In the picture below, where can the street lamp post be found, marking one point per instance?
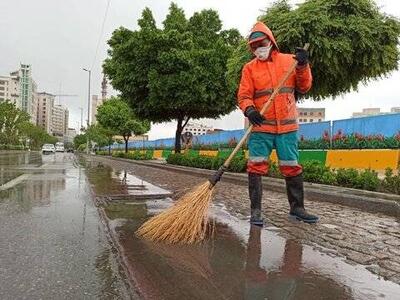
(80, 128)
(88, 111)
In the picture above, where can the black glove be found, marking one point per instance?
(301, 56)
(254, 116)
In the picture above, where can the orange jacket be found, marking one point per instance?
(257, 83)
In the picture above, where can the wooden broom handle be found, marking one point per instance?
(263, 109)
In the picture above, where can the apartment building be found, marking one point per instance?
(45, 111)
(20, 88)
(197, 129)
(59, 120)
(310, 115)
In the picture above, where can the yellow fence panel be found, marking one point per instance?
(157, 154)
(208, 152)
(363, 159)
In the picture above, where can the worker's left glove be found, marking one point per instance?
(254, 116)
(301, 56)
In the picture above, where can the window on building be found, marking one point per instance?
(311, 113)
(311, 120)
(305, 113)
(320, 114)
(319, 120)
(301, 113)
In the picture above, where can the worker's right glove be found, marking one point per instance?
(254, 116)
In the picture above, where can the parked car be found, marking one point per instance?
(48, 148)
(60, 147)
(70, 150)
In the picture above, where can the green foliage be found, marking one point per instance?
(12, 120)
(315, 171)
(391, 182)
(173, 73)
(100, 135)
(36, 135)
(350, 42)
(135, 155)
(238, 163)
(117, 117)
(79, 140)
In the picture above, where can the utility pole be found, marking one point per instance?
(88, 111)
(80, 128)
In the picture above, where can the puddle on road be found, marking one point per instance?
(242, 262)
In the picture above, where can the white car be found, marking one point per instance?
(60, 148)
(48, 148)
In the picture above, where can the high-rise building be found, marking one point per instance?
(310, 115)
(96, 101)
(20, 89)
(45, 111)
(58, 121)
(69, 137)
(9, 89)
(66, 120)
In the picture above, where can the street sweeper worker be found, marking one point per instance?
(277, 127)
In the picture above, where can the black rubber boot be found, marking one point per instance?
(255, 194)
(295, 193)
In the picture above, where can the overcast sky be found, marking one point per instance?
(58, 38)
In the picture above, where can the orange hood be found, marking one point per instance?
(261, 27)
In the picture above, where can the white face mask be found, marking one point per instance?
(262, 53)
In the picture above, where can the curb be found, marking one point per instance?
(373, 202)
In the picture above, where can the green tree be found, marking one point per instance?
(173, 73)
(37, 136)
(79, 140)
(11, 121)
(350, 42)
(116, 116)
(101, 136)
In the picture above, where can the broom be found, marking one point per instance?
(186, 222)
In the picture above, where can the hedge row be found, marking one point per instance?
(11, 147)
(313, 171)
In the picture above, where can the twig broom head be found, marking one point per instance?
(186, 222)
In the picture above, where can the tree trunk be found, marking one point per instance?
(178, 133)
(126, 139)
(109, 149)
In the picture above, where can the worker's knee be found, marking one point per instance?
(257, 167)
(290, 171)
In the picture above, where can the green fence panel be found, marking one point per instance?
(166, 153)
(149, 153)
(224, 153)
(307, 155)
(192, 153)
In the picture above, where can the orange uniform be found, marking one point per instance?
(258, 81)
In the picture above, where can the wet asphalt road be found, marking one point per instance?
(241, 262)
(52, 242)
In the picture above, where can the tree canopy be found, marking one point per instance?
(115, 115)
(11, 121)
(351, 42)
(174, 73)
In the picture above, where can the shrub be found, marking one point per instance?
(391, 183)
(347, 177)
(367, 180)
(316, 171)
